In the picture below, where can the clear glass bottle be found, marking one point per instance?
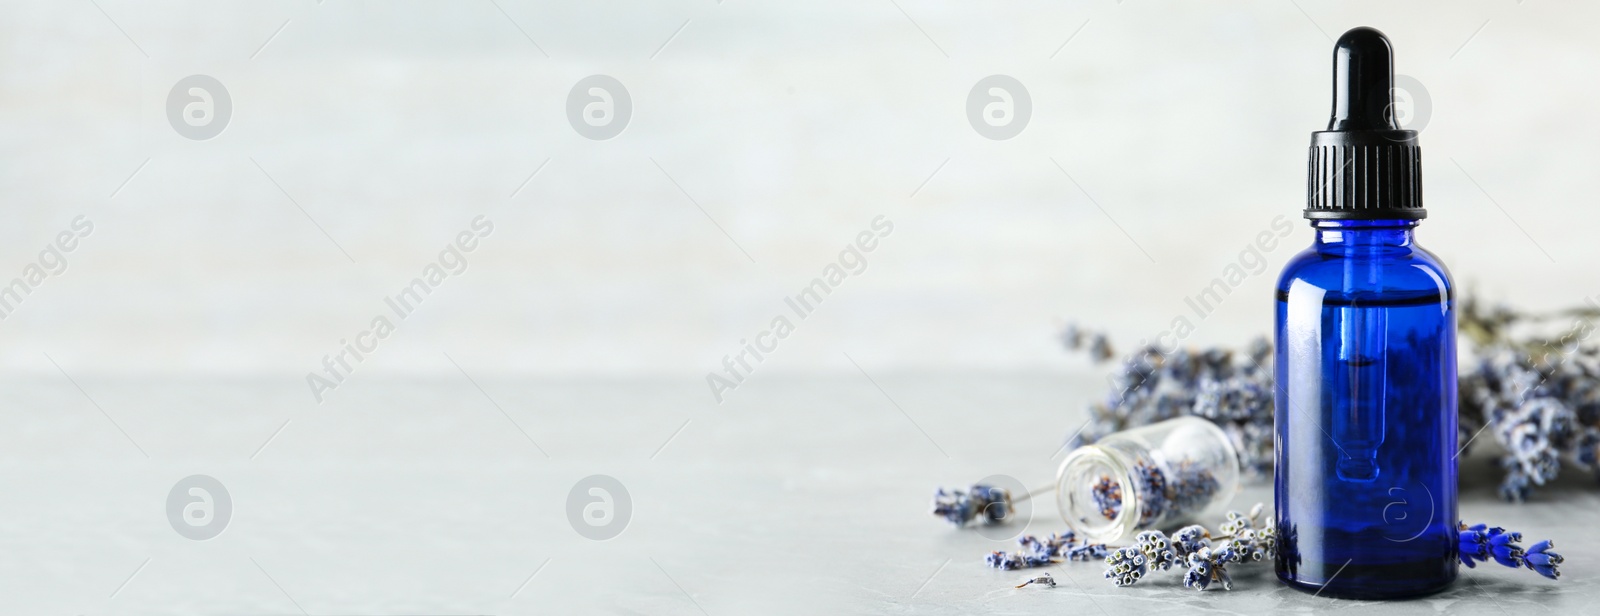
(1159, 476)
(1365, 412)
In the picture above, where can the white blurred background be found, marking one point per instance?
(792, 125)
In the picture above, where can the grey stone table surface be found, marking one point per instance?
(447, 494)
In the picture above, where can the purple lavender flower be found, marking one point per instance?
(1190, 539)
(1540, 559)
(1472, 547)
(1087, 551)
(1204, 568)
(955, 506)
(1097, 343)
(1233, 551)
(1588, 448)
(994, 504)
(1157, 549)
(1481, 542)
(990, 503)
(1100, 347)
(1003, 561)
(1190, 488)
(1107, 495)
(1503, 547)
(1538, 398)
(1071, 337)
(1233, 390)
(1197, 577)
(1249, 546)
(1237, 521)
(1128, 565)
(1153, 489)
(1267, 542)
(1203, 557)
(1039, 553)
(1031, 543)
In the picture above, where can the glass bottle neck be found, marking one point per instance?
(1352, 234)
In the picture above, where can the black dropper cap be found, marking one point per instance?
(1364, 167)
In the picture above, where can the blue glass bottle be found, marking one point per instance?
(1366, 361)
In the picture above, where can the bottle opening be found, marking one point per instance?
(1096, 495)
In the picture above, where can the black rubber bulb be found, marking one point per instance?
(1363, 82)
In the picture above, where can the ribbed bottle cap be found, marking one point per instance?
(1364, 166)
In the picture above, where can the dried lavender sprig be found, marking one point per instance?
(1232, 389)
(1162, 498)
(1156, 549)
(989, 504)
(1542, 407)
(1127, 566)
(1017, 560)
(1190, 539)
(1087, 551)
(1481, 542)
(1537, 397)
(1542, 560)
(1051, 546)
(1098, 344)
(1204, 568)
(1192, 547)
(1051, 550)
(1208, 556)
(1107, 495)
